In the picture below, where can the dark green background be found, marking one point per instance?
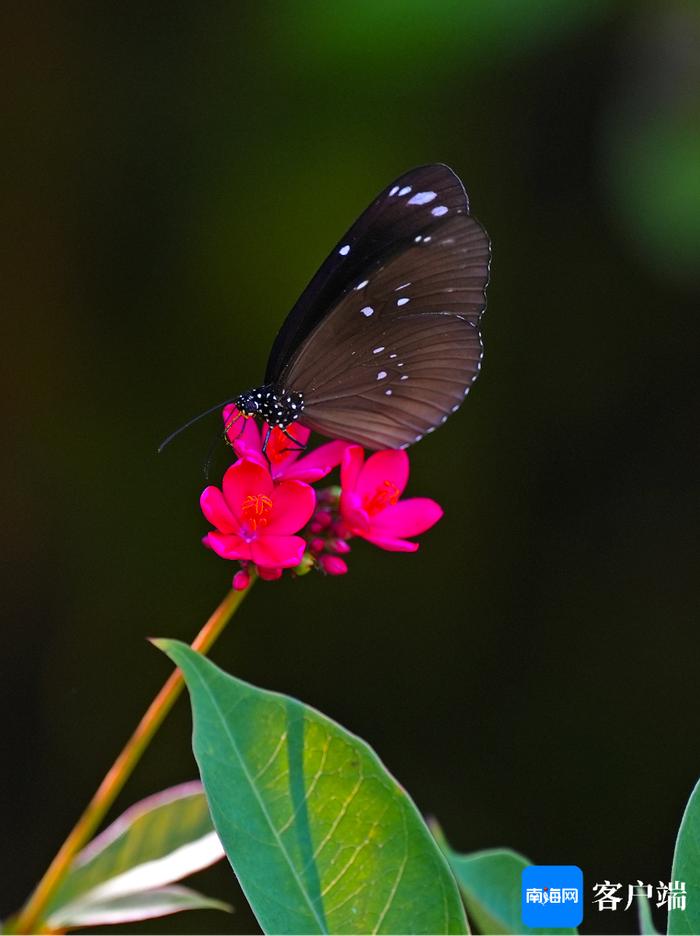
(175, 176)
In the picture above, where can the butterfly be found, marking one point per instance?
(384, 342)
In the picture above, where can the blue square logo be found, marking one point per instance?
(552, 896)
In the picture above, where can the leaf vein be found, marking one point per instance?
(263, 808)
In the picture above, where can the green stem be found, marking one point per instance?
(30, 917)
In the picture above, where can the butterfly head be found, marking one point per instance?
(249, 403)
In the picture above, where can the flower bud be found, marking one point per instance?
(333, 565)
(241, 580)
(317, 545)
(324, 518)
(306, 565)
(340, 531)
(340, 546)
(329, 495)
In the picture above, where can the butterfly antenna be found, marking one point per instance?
(210, 453)
(191, 422)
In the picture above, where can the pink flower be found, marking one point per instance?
(285, 462)
(370, 505)
(255, 518)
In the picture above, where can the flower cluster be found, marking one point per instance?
(267, 515)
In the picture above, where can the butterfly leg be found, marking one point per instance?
(264, 445)
(230, 425)
(298, 447)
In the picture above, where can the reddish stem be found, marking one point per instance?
(30, 917)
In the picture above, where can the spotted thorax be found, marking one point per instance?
(277, 408)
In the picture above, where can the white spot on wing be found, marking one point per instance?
(405, 190)
(402, 286)
(345, 250)
(367, 311)
(394, 190)
(439, 211)
(403, 301)
(404, 377)
(422, 198)
(362, 284)
(388, 392)
(455, 408)
(378, 350)
(381, 375)
(393, 355)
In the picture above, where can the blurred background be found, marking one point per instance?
(175, 175)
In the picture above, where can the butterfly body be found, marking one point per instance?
(272, 405)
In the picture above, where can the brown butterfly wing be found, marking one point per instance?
(407, 207)
(401, 349)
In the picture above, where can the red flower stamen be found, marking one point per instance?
(255, 509)
(386, 495)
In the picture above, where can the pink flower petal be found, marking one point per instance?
(350, 467)
(354, 516)
(250, 453)
(283, 451)
(407, 518)
(391, 543)
(243, 479)
(277, 551)
(230, 411)
(293, 503)
(316, 464)
(242, 430)
(228, 546)
(216, 510)
(390, 465)
(269, 575)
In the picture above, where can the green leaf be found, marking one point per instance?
(159, 840)
(138, 906)
(322, 838)
(490, 882)
(686, 868)
(646, 922)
